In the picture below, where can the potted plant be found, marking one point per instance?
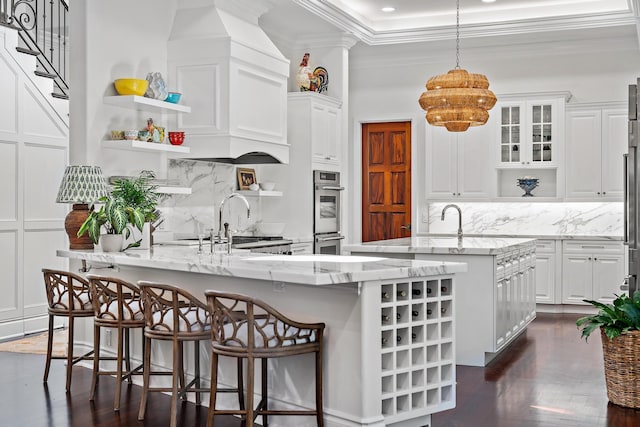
(127, 210)
(619, 325)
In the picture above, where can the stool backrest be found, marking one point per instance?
(114, 299)
(169, 310)
(240, 323)
(66, 291)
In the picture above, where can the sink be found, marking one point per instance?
(317, 258)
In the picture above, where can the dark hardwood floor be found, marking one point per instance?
(548, 378)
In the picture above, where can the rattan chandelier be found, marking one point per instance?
(458, 99)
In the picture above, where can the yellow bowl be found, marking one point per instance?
(131, 86)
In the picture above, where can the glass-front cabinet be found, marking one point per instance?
(529, 133)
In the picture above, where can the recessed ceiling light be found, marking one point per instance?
(488, 1)
(388, 9)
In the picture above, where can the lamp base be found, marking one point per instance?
(72, 224)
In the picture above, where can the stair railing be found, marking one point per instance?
(43, 28)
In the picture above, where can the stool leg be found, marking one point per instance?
(70, 352)
(47, 364)
(240, 384)
(250, 386)
(145, 377)
(182, 384)
(174, 382)
(96, 360)
(265, 398)
(196, 352)
(214, 389)
(127, 354)
(116, 401)
(319, 404)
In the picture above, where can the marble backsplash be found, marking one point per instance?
(197, 212)
(531, 219)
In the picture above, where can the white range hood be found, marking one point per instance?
(233, 77)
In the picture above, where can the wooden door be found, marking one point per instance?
(386, 181)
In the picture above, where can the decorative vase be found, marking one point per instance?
(527, 184)
(111, 242)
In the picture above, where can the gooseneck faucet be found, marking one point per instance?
(227, 197)
(459, 217)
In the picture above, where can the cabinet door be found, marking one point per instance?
(441, 157)
(576, 278)
(608, 274)
(545, 278)
(583, 154)
(510, 133)
(615, 136)
(542, 133)
(319, 133)
(475, 168)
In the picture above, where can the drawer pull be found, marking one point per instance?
(592, 247)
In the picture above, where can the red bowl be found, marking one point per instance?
(176, 138)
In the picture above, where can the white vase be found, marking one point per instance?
(111, 242)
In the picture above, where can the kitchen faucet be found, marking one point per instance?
(227, 197)
(459, 217)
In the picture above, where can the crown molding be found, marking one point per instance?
(368, 35)
(280, 38)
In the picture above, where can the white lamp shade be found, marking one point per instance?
(82, 184)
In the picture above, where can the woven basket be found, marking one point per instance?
(622, 368)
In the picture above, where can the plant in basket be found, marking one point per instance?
(619, 325)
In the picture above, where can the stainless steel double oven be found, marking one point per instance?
(326, 208)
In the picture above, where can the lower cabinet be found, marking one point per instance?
(301, 248)
(546, 271)
(591, 270)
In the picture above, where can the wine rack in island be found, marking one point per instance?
(417, 345)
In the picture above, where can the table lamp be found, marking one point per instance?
(80, 185)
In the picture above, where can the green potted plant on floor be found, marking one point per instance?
(130, 206)
(619, 325)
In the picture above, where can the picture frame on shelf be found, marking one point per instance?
(246, 177)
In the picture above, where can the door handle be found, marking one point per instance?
(406, 227)
(328, 239)
(625, 195)
(331, 187)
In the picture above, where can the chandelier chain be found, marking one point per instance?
(457, 34)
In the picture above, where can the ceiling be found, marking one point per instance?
(432, 20)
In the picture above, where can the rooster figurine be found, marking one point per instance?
(320, 79)
(314, 81)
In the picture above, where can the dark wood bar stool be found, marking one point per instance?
(247, 328)
(173, 314)
(67, 296)
(116, 304)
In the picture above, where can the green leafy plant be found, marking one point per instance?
(115, 217)
(623, 315)
(138, 193)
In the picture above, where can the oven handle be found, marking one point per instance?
(331, 187)
(328, 239)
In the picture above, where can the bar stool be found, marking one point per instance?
(173, 314)
(247, 328)
(67, 296)
(117, 305)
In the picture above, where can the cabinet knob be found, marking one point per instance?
(589, 258)
(458, 194)
(527, 162)
(604, 192)
(453, 194)
(598, 193)
(595, 259)
(522, 163)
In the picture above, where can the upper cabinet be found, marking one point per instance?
(460, 165)
(315, 121)
(531, 132)
(596, 141)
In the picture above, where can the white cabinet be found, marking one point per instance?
(460, 164)
(596, 140)
(315, 120)
(546, 270)
(591, 270)
(301, 248)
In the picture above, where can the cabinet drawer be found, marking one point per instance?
(583, 246)
(546, 246)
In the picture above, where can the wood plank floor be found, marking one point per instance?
(550, 378)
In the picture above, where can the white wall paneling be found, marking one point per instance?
(9, 179)
(11, 302)
(9, 99)
(43, 169)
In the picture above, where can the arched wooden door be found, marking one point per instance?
(386, 181)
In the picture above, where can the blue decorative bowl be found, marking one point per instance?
(173, 97)
(527, 184)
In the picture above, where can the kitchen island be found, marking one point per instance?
(389, 351)
(495, 298)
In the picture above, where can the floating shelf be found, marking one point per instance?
(173, 190)
(134, 145)
(260, 193)
(142, 103)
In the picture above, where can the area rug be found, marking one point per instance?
(37, 343)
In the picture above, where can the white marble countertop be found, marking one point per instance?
(303, 269)
(443, 245)
(528, 235)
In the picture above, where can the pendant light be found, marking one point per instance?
(458, 99)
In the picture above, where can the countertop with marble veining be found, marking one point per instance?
(302, 269)
(442, 245)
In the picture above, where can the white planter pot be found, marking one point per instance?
(111, 242)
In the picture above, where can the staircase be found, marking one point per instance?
(40, 43)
